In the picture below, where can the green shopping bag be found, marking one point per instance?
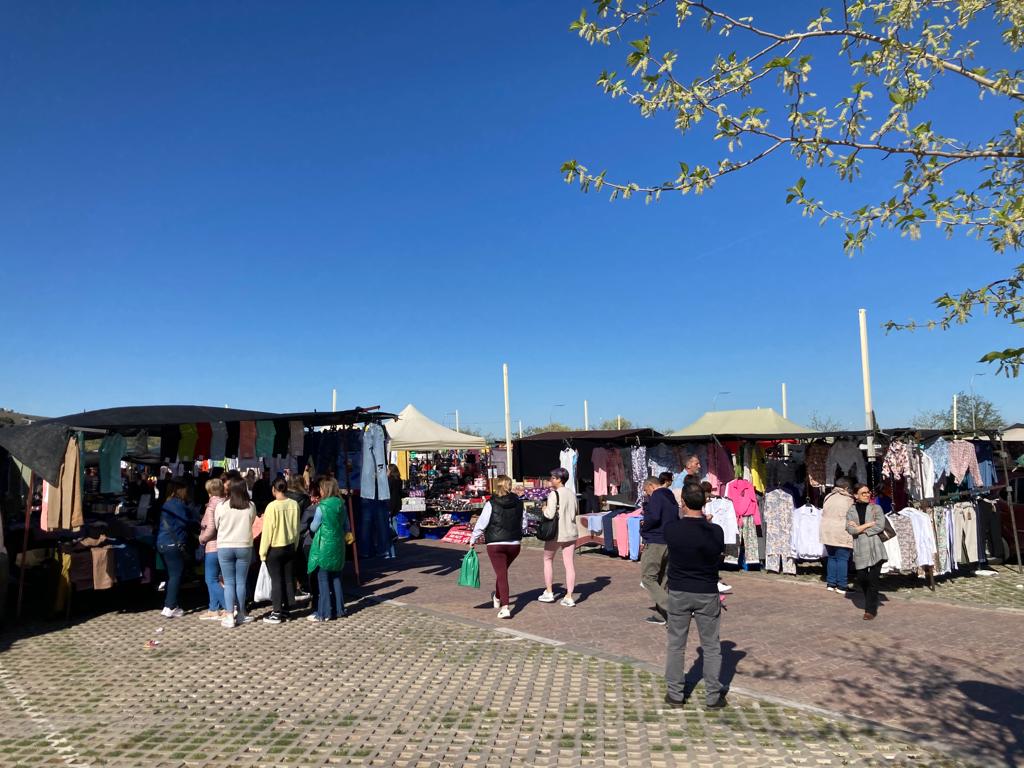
(469, 574)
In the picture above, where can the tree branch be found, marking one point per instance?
(855, 34)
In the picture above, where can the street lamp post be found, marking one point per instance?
(551, 417)
(714, 400)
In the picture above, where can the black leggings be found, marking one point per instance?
(868, 579)
(279, 564)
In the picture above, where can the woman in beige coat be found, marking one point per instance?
(834, 536)
(562, 502)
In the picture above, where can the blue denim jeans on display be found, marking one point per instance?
(329, 582)
(837, 566)
(234, 564)
(175, 562)
(211, 569)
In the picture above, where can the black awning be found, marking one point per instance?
(40, 447)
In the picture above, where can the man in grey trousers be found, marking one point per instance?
(695, 549)
(659, 508)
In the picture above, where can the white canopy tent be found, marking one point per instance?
(749, 422)
(415, 432)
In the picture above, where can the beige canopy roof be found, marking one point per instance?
(415, 432)
(748, 422)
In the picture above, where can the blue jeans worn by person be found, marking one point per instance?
(706, 609)
(328, 583)
(234, 564)
(174, 559)
(211, 569)
(837, 566)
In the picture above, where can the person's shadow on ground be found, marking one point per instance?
(731, 658)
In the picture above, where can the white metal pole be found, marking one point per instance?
(865, 365)
(618, 422)
(334, 400)
(586, 416)
(785, 415)
(457, 420)
(955, 422)
(508, 424)
(520, 429)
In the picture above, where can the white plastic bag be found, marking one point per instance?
(262, 585)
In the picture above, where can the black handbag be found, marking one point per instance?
(548, 528)
(888, 532)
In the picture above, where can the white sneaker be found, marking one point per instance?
(228, 623)
(162, 586)
(723, 587)
(568, 602)
(168, 613)
(494, 600)
(547, 597)
(505, 612)
(830, 589)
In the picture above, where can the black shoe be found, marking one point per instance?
(675, 703)
(274, 618)
(655, 619)
(719, 703)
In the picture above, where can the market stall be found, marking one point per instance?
(443, 472)
(81, 493)
(768, 478)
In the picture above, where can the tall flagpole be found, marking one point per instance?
(508, 423)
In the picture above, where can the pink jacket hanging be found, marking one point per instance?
(744, 499)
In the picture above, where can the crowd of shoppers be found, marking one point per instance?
(299, 535)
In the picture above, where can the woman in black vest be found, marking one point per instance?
(501, 526)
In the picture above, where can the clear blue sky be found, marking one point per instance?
(251, 204)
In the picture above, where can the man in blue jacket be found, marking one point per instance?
(660, 508)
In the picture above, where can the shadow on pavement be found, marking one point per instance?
(731, 658)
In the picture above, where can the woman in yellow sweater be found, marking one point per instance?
(277, 548)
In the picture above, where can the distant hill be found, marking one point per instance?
(9, 418)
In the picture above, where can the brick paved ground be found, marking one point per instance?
(1004, 590)
(389, 686)
(941, 669)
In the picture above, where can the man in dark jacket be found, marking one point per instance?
(695, 549)
(659, 508)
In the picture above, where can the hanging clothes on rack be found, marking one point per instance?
(896, 463)
(805, 541)
(965, 531)
(722, 513)
(938, 451)
(599, 458)
(719, 467)
(111, 450)
(986, 465)
(567, 460)
(963, 460)
(758, 469)
(815, 460)
(943, 536)
(904, 528)
(64, 500)
(744, 499)
(921, 480)
(638, 459)
(778, 530)
(924, 536)
(845, 456)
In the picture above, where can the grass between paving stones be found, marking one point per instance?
(391, 683)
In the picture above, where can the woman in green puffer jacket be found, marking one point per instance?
(327, 554)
